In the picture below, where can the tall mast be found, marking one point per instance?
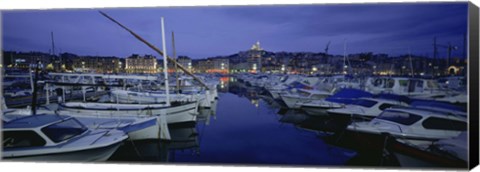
(53, 43)
(175, 58)
(434, 55)
(411, 63)
(344, 56)
(55, 60)
(34, 93)
(464, 46)
(156, 50)
(165, 65)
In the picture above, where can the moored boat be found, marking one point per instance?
(57, 138)
(413, 125)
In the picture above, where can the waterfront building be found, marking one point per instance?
(213, 65)
(23, 60)
(239, 67)
(96, 64)
(219, 66)
(203, 65)
(322, 69)
(185, 62)
(141, 64)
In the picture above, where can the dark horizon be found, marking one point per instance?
(203, 32)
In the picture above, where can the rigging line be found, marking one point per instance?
(155, 49)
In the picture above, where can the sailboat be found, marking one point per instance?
(173, 112)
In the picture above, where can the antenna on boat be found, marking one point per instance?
(155, 49)
(165, 65)
(34, 94)
(344, 55)
(411, 64)
(391, 70)
(345, 58)
(434, 56)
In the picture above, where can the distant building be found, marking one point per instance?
(22, 60)
(97, 64)
(255, 58)
(239, 67)
(212, 65)
(185, 62)
(322, 69)
(203, 65)
(219, 66)
(141, 64)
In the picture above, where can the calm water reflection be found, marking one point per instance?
(245, 128)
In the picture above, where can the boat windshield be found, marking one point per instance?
(64, 130)
(399, 117)
(364, 103)
(22, 138)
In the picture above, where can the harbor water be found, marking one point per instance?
(242, 128)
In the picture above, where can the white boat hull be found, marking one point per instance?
(175, 114)
(315, 111)
(97, 154)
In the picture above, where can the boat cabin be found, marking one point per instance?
(401, 85)
(40, 130)
(416, 122)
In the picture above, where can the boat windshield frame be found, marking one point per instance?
(399, 117)
(64, 130)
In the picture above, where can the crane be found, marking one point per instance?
(449, 48)
(325, 59)
(326, 48)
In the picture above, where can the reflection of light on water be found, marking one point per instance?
(222, 84)
(254, 102)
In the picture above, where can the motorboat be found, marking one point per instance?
(338, 100)
(412, 125)
(411, 87)
(440, 106)
(48, 137)
(366, 108)
(287, 82)
(294, 99)
(451, 152)
(137, 128)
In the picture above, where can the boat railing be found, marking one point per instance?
(104, 134)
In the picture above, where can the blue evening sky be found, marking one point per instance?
(202, 32)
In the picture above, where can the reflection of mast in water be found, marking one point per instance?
(184, 139)
(206, 113)
(291, 116)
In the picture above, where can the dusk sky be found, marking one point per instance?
(202, 32)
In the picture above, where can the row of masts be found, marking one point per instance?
(162, 53)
